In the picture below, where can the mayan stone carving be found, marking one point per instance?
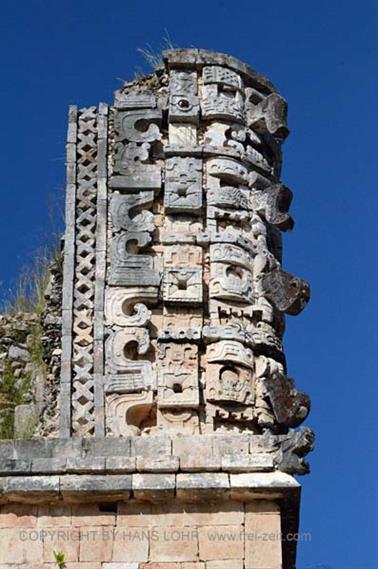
(175, 295)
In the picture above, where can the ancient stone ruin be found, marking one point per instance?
(172, 410)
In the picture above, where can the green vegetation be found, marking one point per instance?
(60, 559)
(154, 56)
(13, 391)
(28, 297)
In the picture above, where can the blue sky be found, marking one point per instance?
(323, 57)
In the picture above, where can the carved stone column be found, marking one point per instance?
(175, 294)
(174, 386)
(179, 298)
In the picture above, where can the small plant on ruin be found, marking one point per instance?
(154, 56)
(60, 559)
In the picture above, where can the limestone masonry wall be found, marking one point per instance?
(139, 535)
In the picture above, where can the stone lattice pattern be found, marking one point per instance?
(193, 292)
(84, 284)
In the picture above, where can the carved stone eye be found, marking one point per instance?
(183, 104)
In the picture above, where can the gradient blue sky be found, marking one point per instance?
(322, 56)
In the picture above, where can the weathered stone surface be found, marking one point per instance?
(263, 519)
(57, 541)
(231, 564)
(197, 486)
(82, 487)
(161, 464)
(18, 515)
(15, 551)
(152, 447)
(18, 353)
(251, 463)
(174, 544)
(119, 464)
(131, 546)
(48, 465)
(249, 486)
(12, 466)
(223, 543)
(121, 565)
(83, 465)
(293, 449)
(153, 487)
(53, 515)
(32, 489)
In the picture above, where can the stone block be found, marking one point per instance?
(182, 134)
(9, 466)
(263, 545)
(32, 489)
(121, 566)
(100, 548)
(152, 446)
(84, 487)
(107, 447)
(61, 539)
(37, 565)
(119, 464)
(247, 463)
(196, 514)
(199, 463)
(48, 465)
(162, 464)
(262, 443)
(230, 564)
(86, 465)
(153, 486)
(25, 420)
(131, 544)
(183, 285)
(47, 448)
(225, 542)
(218, 513)
(80, 565)
(7, 450)
(17, 547)
(197, 486)
(231, 444)
(160, 566)
(250, 486)
(18, 515)
(202, 460)
(172, 543)
(135, 514)
(52, 515)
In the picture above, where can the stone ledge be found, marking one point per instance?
(190, 487)
(158, 454)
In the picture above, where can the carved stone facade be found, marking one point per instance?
(176, 411)
(177, 298)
